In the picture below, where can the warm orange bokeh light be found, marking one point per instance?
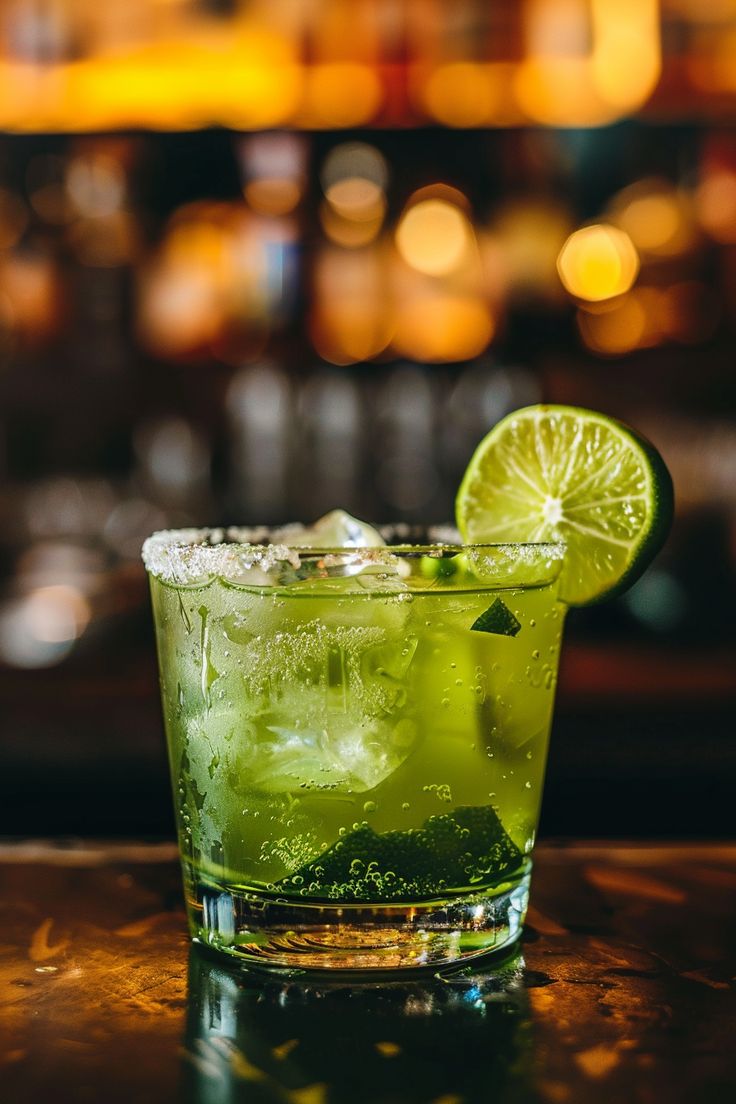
(618, 331)
(340, 94)
(352, 319)
(598, 262)
(648, 316)
(715, 204)
(273, 195)
(465, 93)
(356, 198)
(587, 63)
(528, 235)
(443, 327)
(657, 217)
(351, 232)
(434, 237)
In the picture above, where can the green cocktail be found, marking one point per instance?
(360, 728)
(358, 732)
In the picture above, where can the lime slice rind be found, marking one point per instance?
(568, 474)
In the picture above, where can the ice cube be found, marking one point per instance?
(271, 754)
(337, 529)
(345, 758)
(317, 709)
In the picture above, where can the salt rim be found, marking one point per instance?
(186, 556)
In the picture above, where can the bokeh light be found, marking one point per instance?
(715, 203)
(442, 327)
(40, 629)
(434, 237)
(354, 178)
(13, 218)
(524, 240)
(465, 93)
(274, 170)
(598, 262)
(352, 320)
(616, 331)
(351, 232)
(340, 94)
(648, 316)
(657, 217)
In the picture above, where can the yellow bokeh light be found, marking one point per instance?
(247, 79)
(598, 262)
(626, 62)
(587, 63)
(434, 237)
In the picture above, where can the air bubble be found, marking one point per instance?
(369, 807)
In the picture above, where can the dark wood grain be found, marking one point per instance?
(623, 991)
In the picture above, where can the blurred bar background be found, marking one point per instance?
(259, 258)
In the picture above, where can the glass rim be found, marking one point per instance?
(187, 555)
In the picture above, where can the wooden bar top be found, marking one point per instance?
(623, 991)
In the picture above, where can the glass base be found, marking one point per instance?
(297, 935)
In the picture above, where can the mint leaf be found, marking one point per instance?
(498, 619)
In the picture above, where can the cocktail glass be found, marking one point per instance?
(357, 740)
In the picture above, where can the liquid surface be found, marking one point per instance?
(388, 746)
